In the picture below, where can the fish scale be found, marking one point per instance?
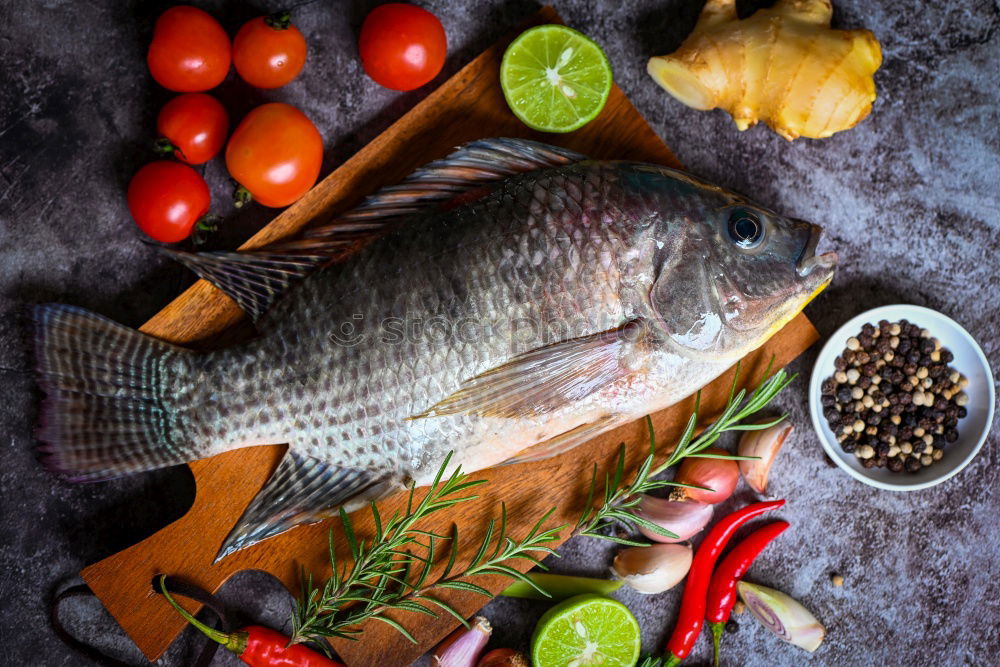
(553, 299)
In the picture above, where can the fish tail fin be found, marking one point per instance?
(111, 406)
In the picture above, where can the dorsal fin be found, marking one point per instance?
(472, 166)
(256, 279)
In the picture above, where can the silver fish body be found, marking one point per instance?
(561, 302)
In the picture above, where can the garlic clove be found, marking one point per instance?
(764, 444)
(653, 569)
(683, 518)
(462, 647)
(782, 615)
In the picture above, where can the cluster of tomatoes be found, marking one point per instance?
(276, 152)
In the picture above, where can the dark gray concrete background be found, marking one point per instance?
(909, 199)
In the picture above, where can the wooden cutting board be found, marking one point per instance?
(468, 106)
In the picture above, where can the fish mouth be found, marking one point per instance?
(809, 263)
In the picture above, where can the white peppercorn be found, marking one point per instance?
(865, 452)
(938, 454)
(926, 460)
(840, 377)
(961, 398)
(852, 375)
(853, 343)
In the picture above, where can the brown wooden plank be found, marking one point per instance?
(468, 106)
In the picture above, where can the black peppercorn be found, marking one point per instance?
(866, 341)
(882, 449)
(862, 358)
(868, 370)
(951, 435)
(946, 356)
(864, 382)
(962, 412)
(732, 626)
(903, 347)
(869, 463)
(827, 401)
(940, 404)
(831, 415)
(935, 371)
(913, 357)
(896, 464)
(896, 409)
(840, 364)
(919, 446)
(950, 422)
(874, 419)
(849, 445)
(828, 387)
(868, 329)
(912, 464)
(884, 346)
(905, 433)
(844, 395)
(905, 398)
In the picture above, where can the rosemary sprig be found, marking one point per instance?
(392, 571)
(620, 500)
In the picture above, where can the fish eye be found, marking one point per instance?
(745, 229)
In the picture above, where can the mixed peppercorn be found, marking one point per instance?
(894, 402)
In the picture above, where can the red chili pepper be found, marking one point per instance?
(256, 645)
(722, 589)
(694, 600)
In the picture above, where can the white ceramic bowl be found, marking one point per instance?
(969, 360)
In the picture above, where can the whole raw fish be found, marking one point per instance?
(518, 300)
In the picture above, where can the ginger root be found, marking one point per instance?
(783, 65)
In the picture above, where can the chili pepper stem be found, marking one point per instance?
(672, 661)
(234, 641)
(717, 628)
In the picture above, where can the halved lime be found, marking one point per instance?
(586, 630)
(555, 79)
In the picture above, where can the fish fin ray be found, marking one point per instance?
(302, 490)
(566, 441)
(254, 280)
(111, 407)
(469, 168)
(544, 379)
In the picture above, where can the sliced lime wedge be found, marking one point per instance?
(555, 79)
(586, 630)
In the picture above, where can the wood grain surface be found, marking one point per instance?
(468, 106)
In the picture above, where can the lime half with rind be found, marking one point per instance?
(555, 79)
(586, 630)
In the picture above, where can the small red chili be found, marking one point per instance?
(722, 589)
(256, 645)
(694, 599)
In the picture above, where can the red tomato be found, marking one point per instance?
(402, 47)
(190, 51)
(166, 199)
(195, 125)
(275, 153)
(269, 52)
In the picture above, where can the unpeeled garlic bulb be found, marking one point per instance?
(653, 569)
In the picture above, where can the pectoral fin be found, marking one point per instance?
(302, 490)
(545, 379)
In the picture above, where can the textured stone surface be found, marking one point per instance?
(909, 199)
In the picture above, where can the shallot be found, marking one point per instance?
(462, 647)
(716, 476)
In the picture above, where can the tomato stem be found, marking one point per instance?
(207, 224)
(279, 20)
(241, 197)
(164, 146)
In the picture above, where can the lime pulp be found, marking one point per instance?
(555, 79)
(586, 630)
